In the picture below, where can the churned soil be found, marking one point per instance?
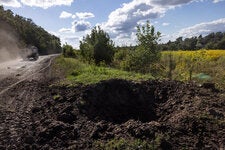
(165, 114)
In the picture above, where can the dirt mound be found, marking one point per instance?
(120, 114)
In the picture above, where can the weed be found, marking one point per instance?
(56, 97)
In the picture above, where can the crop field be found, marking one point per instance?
(200, 65)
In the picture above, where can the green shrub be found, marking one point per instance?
(97, 47)
(68, 51)
(146, 54)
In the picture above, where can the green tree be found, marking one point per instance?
(221, 44)
(146, 53)
(97, 47)
(147, 38)
(68, 51)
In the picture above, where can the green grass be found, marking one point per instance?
(56, 97)
(77, 72)
(123, 144)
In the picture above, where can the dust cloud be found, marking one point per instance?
(9, 49)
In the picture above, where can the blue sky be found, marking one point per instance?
(72, 19)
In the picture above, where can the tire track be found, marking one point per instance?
(25, 78)
(19, 99)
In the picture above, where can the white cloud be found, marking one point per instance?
(65, 14)
(125, 39)
(65, 30)
(217, 1)
(165, 24)
(80, 15)
(84, 15)
(203, 28)
(125, 19)
(171, 2)
(70, 39)
(54, 33)
(166, 37)
(122, 22)
(78, 26)
(46, 3)
(10, 3)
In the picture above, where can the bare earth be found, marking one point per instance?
(165, 114)
(18, 84)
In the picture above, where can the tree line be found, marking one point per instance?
(211, 41)
(28, 33)
(98, 48)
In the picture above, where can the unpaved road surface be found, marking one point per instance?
(18, 70)
(19, 81)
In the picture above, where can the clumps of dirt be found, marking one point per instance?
(118, 114)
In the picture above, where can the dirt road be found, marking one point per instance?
(18, 70)
(19, 81)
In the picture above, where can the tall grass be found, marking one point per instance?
(192, 63)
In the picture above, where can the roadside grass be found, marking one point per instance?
(77, 72)
(200, 66)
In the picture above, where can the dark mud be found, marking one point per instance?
(163, 114)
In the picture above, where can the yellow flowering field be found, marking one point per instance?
(206, 55)
(188, 65)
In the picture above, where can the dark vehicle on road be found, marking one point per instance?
(31, 53)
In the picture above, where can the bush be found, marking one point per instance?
(68, 51)
(146, 53)
(97, 47)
